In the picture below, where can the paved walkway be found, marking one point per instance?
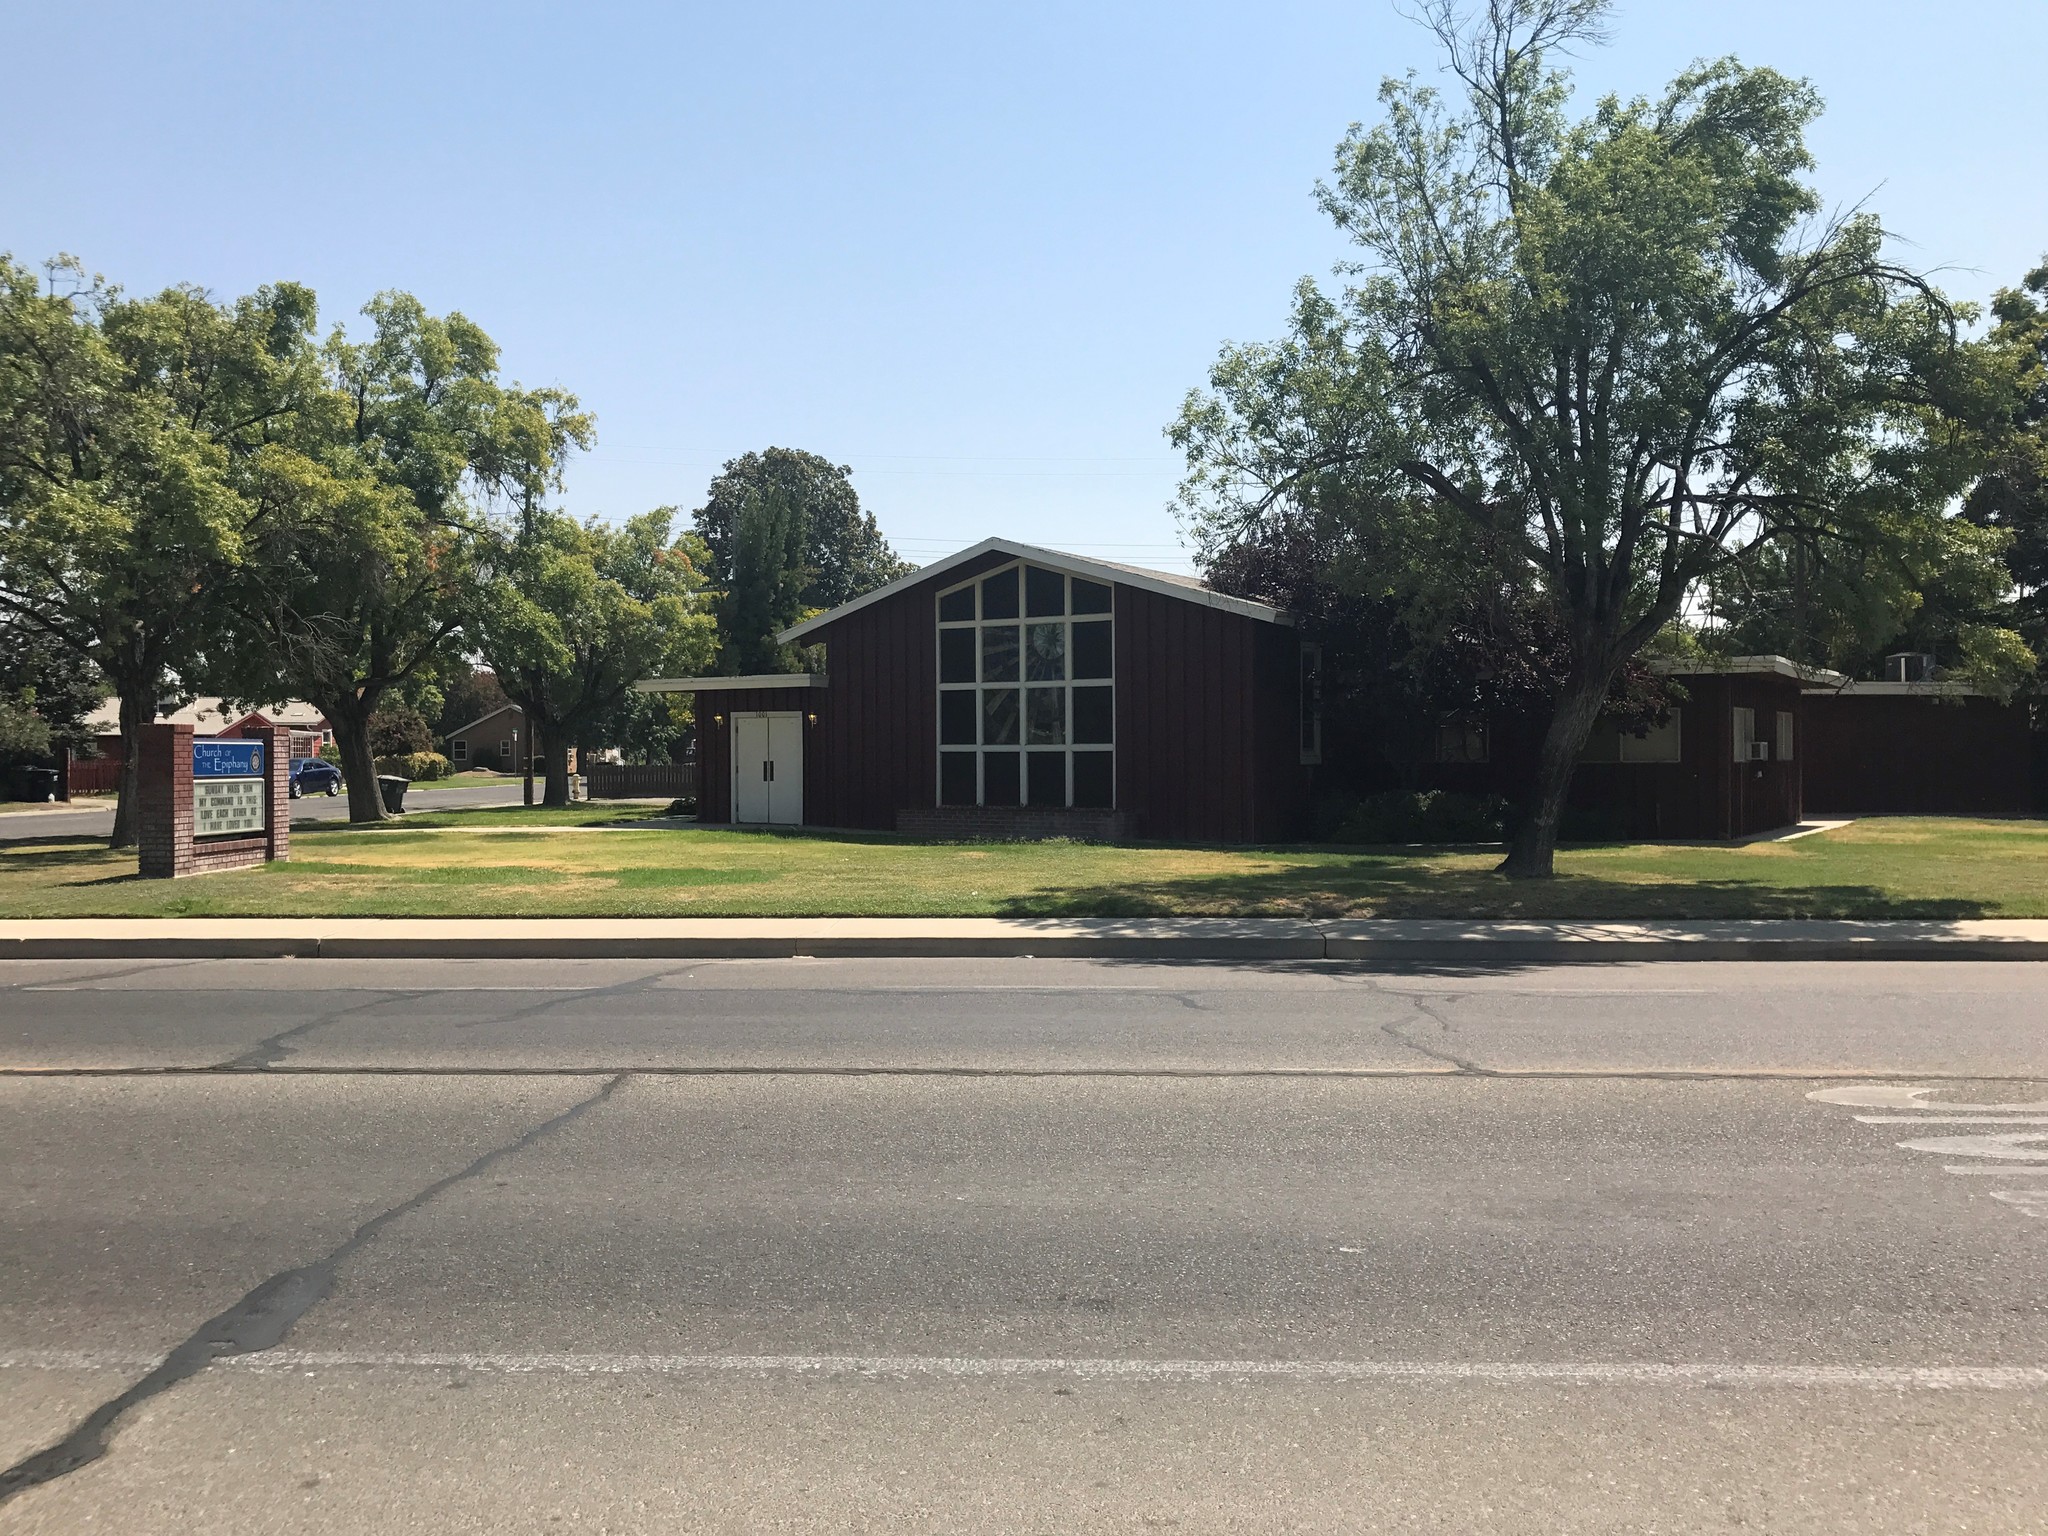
(1384, 940)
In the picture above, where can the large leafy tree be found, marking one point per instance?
(1942, 588)
(134, 434)
(1619, 353)
(47, 691)
(1410, 640)
(368, 562)
(2012, 497)
(576, 613)
(786, 536)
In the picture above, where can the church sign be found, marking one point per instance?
(229, 792)
(216, 804)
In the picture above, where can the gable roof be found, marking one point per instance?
(1187, 588)
(209, 715)
(464, 730)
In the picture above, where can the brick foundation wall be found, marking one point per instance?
(1015, 824)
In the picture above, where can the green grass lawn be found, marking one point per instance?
(1893, 867)
(469, 779)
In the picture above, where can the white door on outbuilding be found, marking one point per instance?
(768, 769)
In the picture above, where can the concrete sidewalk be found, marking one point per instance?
(1381, 941)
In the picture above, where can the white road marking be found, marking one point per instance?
(1999, 1149)
(1952, 1119)
(2012, 1147)
(1912, 1096)
(2002, 1173)
(1590, 1373)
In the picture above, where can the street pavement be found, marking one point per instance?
(1022, 1245)
(95, 817)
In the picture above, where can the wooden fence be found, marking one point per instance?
(642, 781)
(95, 773)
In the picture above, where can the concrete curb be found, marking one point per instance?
(1383, 941)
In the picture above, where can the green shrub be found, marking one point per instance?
(416, 766)
(1425, 816)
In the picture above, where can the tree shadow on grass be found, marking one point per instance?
(51, 861)
(1393, 887)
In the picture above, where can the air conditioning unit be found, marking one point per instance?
(1759, 751)
(1911, 667)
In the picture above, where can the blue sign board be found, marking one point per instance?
(227, 759)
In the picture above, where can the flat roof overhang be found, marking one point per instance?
(730, 684)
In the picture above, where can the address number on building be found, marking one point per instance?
(221, 807)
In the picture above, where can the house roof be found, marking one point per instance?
(730, 684)
(208, 715)
(1166, 583)
(1715, 666)
(291, 712)
(1866, 689)
(464, 730)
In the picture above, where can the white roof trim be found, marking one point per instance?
(1058, 560)
(1905, 690)
(730, 684)
(1714, 666)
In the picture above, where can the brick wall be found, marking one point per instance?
(163, 802)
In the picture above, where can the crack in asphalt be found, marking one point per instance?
(1392, 1028)
(68, 983)
(1393, 1031)
(271, 1051)
(259, 1321)
(580, 995)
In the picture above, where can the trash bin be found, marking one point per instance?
(32, 783)
(392, 788)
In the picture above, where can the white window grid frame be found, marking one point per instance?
(1067, 619)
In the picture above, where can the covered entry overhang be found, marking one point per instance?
(753, 765)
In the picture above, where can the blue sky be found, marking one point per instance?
(977, 252)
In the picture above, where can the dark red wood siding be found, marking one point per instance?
(1207, 734)
(1904, 753)
(1707, 794)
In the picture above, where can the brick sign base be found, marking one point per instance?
(164, 823)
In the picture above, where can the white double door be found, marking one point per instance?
(768, 769)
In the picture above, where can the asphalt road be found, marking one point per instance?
(1029, 1245)
(95, 817)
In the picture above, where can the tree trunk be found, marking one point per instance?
(137, 711)
(1532, 850)
(351, 721)
(557, 742)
